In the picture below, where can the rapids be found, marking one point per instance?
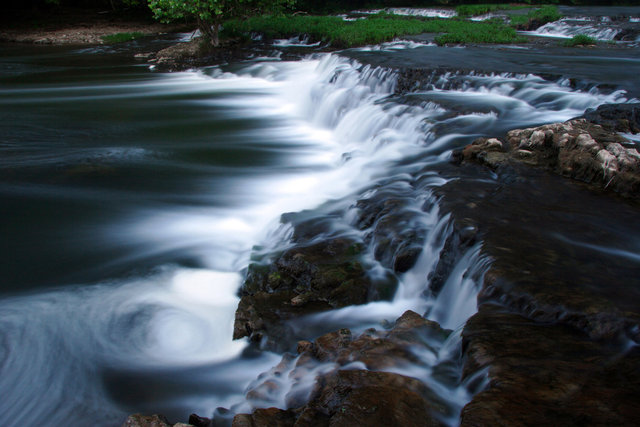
(133, 201)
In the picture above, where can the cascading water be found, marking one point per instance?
(569, 27)
(264, 138)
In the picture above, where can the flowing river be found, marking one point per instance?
(133, 200)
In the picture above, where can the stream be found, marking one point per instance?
(133, 201)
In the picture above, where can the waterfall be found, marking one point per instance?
(325, 132)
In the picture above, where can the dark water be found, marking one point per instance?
(132, 201)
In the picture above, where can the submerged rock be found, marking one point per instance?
(577, 149)
(349, 387)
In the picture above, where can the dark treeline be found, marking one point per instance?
(311, 6)
(325, 6)
(53, 5)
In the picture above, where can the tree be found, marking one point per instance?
(210, 13)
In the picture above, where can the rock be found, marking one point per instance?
(359, 396)
(489, 152)
(384, 217)
(198, 421)
(303, 280)
(577, 149)
(628, 34)
(558, 326)
(265, 417)
(139, 420)
(547, 374)
(616, 117)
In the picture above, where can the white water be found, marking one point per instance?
(410, 11)
(394, 45)
(569, 27)
(427, 13)
(343, 133)
(295, 42)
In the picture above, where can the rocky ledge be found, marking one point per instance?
(302, 280)
(339, 379)
(580, 149)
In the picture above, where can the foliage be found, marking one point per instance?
(210, 13)
(541, 16)
(481, 9)
(580, 40)
(373, 30)
(122, 37)
(489, 32)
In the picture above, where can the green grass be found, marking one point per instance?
(580, 40)
(542, 15)
(482, 9)
(373, 30)
(122, 37)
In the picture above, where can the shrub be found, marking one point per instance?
(580, 40)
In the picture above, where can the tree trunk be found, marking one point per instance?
(210, 30)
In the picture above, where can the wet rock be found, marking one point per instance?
(627, 34)
(378, 349)
(391, 223)
(265, 417)
(198, 421)
(139, 420)
(616, 117)
(197, 53)
(343, 392)
(463, 237)
(547, 374)
(557, 328)
(419, 79)
(303, 280)
(489, 152)
(358, 397)
(577, 149)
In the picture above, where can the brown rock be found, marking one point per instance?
(547, 374)
(270, 417)
(139, 420)
(303, 280)
(357, 396)
(577, 149)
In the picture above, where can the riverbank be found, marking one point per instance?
(78, 27)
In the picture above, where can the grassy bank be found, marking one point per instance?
(541, 16)
(372, 30)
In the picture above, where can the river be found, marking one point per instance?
(133, 201)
